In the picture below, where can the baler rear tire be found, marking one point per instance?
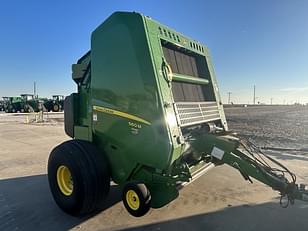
(89, 172)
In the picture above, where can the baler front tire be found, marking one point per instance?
(88, 171)
(136, 199)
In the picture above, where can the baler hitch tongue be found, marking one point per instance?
(293, 192)
(301, 192)
(251, 162)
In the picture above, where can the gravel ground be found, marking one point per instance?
(279, 126)
(219, 200)
(281, 130)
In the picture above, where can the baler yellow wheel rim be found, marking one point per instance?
(64, 180)
(132, 199)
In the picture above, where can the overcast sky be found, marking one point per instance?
(262, 43)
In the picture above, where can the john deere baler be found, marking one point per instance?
(147, 116)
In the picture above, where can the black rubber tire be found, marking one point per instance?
(56, 108)
(144, 197)
(90, 174)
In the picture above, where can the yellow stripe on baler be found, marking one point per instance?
(120, 113)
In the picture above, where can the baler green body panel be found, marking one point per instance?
(122, 51)
(127, 106)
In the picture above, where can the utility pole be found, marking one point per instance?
(271, 101)
(229, 97)
(254, 94)
(34, 89)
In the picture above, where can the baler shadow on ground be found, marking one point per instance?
(253, 217)
(26, 204)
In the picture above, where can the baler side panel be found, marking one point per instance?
(82, 113)
(216, 91)
(175, 134)
(123, 86)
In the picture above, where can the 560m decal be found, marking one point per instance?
(120, 113)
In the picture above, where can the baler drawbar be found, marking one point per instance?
(250, 161)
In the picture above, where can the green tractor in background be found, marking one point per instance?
(1, 105)
(55, 104)
(12, 104)
(30, 103)
(6, 102)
